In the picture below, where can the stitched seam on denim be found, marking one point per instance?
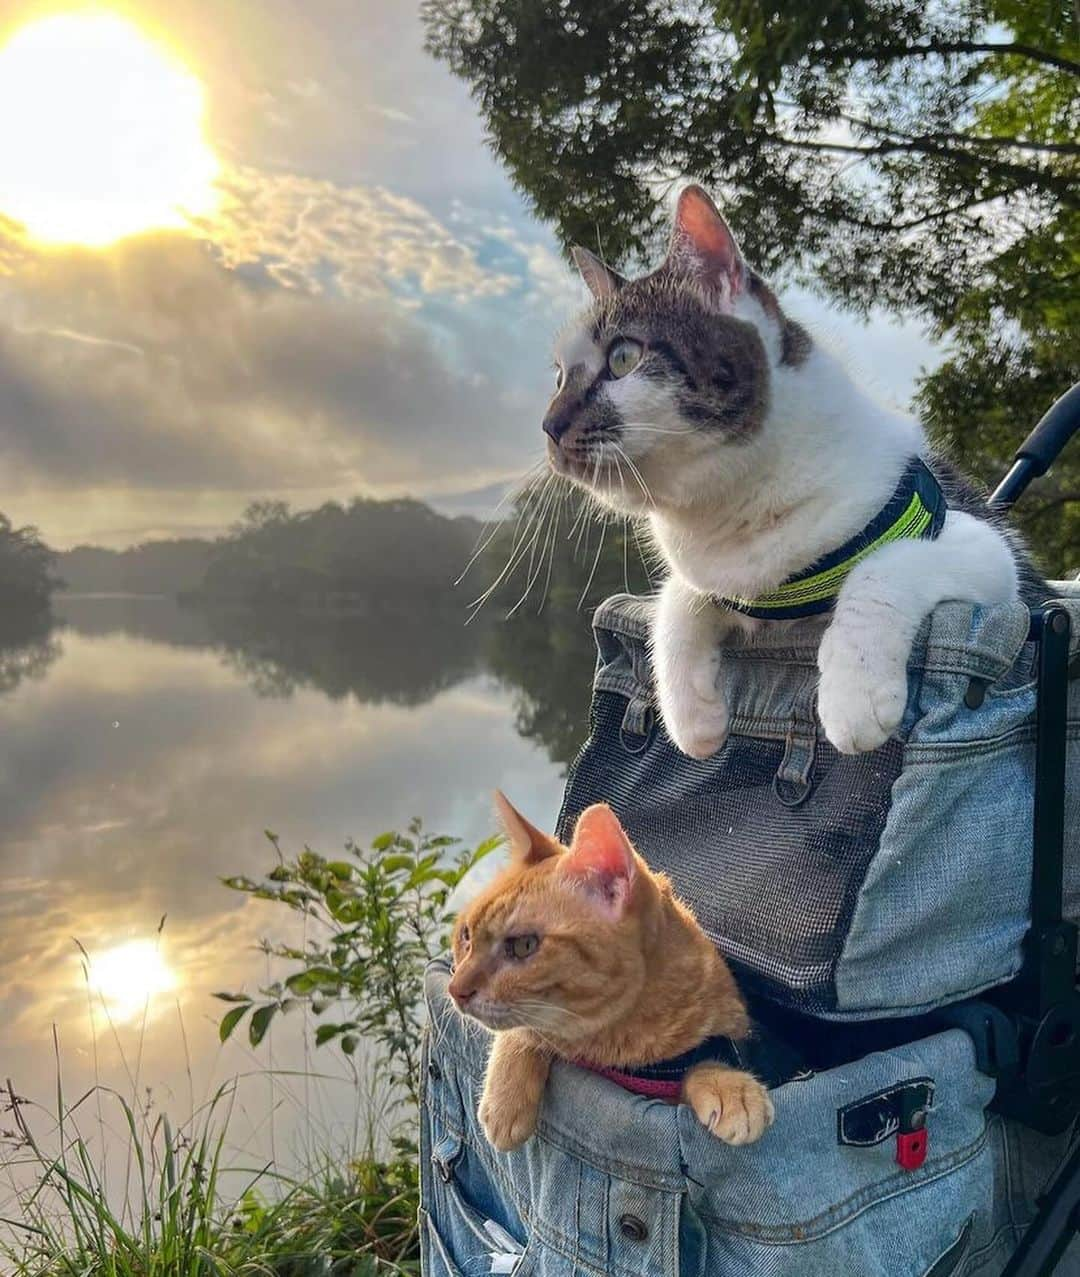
(1025, 735)
(933, 751)
(956, 1250)
(540, 1228)
(978, 1258)
(554, 1239)
(851, 1207)
(647, 1176)
(436, 1242)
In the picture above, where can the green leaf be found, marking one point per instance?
(230, 1020)
(260, 1022)
(383, 841)
(340, 869)
(349, 1043)
(393, 863)
(312, 979)
(325, 1032)
(233, 997)
(239, 883)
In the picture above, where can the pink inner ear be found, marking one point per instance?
(700, 229)
(601, 857)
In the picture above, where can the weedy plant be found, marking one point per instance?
(178, 1219)
(375, 920)
(372, 923)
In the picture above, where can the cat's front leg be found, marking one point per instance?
(686, 664)
(517, 1072)
(731, 1104)
(864, 653)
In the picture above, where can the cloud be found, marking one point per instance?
(159, 366)
(363, 242)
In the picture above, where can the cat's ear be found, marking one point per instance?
(702, 242)
(601, 858)
(529, 844)
(601, 280)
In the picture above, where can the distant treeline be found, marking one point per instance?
(334, 557)
(376, 555)
(154, 567)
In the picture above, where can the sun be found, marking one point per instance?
(102, 133)
(126, 977)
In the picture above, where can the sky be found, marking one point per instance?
(368, 307)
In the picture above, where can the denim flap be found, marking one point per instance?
(958, 638)
(797, 1184)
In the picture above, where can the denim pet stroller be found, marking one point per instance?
(906, 919)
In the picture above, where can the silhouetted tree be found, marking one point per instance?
(26, 563)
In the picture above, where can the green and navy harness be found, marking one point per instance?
(915, 511)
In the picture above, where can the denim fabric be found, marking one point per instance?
(853, 888)
(614, 1184)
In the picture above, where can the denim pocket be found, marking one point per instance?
(821, 1197)
(467, 1239)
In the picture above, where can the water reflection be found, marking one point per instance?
(28, 646)
(146, 755)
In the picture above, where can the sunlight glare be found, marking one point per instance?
(127, 976)
(102, 133)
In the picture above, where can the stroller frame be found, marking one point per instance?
(1027, 1033)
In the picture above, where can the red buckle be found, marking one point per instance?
(911, 1148)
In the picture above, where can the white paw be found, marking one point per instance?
(698, 725)
(863, 688)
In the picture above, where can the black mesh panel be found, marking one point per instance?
(774, 885)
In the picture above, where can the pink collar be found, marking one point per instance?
(652, 1088)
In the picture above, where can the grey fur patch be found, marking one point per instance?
(717, 364)
(795, 342)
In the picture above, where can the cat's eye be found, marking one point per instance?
(520, 947)
(624, 355)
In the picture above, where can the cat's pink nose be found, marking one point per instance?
(462, 995)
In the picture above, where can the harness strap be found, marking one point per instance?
(915, 511)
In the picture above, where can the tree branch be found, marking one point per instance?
(1037, 177)
(996, 141)
(895, 52)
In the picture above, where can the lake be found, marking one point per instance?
(145, 749)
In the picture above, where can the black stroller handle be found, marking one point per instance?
(1040, 449)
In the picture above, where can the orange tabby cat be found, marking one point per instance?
(584, 953)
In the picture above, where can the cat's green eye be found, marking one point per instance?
(521, 946)
(624, 355)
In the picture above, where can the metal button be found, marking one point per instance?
(632, 1228)
(976, 693)
(917, 1120)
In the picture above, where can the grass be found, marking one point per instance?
(178, 1219)
(371, 922)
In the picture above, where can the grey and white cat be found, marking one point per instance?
(689, 399)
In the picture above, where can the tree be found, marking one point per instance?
(886, 152)
(26, 562)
